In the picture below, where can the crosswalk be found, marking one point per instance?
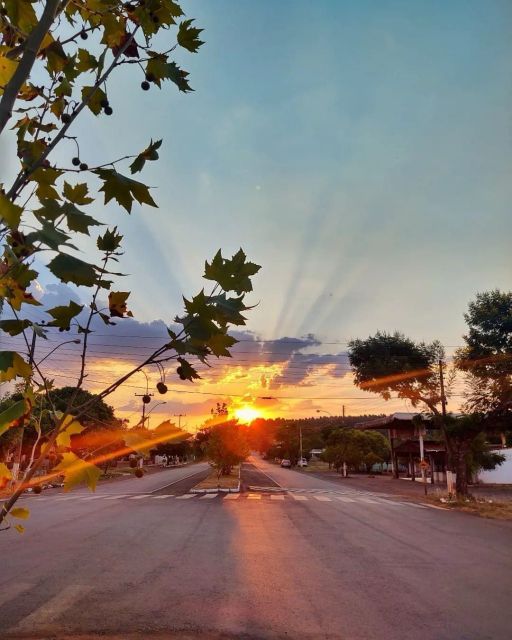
(289, 496)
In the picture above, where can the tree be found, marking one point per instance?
(226, 446)
(56, 62)
(355, 448)
(486, 357)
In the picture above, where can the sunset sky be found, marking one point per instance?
(359, 151)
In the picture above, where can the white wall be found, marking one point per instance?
(500, 475)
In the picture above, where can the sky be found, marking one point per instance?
(359, 151)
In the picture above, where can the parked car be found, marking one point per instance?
(302, 462)
(286, 464)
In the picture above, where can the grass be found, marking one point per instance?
(224, 482)
(483, 508)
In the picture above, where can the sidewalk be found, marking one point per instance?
(407, 488)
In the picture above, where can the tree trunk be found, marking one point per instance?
(461, 469)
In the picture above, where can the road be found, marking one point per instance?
(146, 559)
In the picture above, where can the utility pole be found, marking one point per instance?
(449, 473)
(179, 416)
(146, 399)
(343, 413)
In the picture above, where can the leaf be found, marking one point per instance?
(78, 220)
(12, 365)
(10, 213)
(70, 269)
(14, 327)
(123, 189)
(148, 154)
(49, 235)
(19, 528)
(186, 371)
(7, 68)
(110, 241)
(77, 194)
(20, 512)
(188, 36)
(63, 314)
(21, 14)
(136, 441)
(94, 102)
(69, 428)
(50, 210)
(232, 275)
(117, 304)
(160, 69)
(5, 474)
(77, 471)
(86, 61)
(45, 178)
(220, 343)
(12, 414)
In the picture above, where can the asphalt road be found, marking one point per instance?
(144, 560)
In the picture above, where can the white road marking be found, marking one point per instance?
(145, 495)
(186, 496)
(169, 484)
(51, 610)
(297, 497)
(208, 496)
(162, 497)
(121, 495)
(322, 498)
(90, 498)
(232, 496)
(345, 499)
(369, 501)
(277, 497)
(253, 496)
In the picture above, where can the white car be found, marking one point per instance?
(302, 462)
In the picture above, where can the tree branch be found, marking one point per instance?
(26, 63)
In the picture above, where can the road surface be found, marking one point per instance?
(146, 559)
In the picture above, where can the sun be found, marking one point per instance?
(247, 414)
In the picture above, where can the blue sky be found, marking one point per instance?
(359, 151)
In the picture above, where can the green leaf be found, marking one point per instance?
(94, 102)
(186, 371)
(117, 304)
(50, 210)
(12, 414)
(188, 36)
(10, 213)
(110, 241)
(77, 471)
(20, 512)
(78, 220)
(86, 61)
(220, 343)
(160, 69)
(12, 365)
(138, 442)
(232, 275)
(49, 235)
(63, 314)
(14, 327)
(123, 189)
(70, 269)
(148, 154)
(77, 193)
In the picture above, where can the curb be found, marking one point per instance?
(218, 490)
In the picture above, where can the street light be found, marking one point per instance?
(324, 411)
(152, 409)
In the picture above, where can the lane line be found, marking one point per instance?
(272, 497)
(232, 496)
(162, 497)
(121, 495)
(253, 496)
(298, 497)
(51, 610)
(145, 495)
(345, 499)
(322, 498)
(186, 496)
(208, 496)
